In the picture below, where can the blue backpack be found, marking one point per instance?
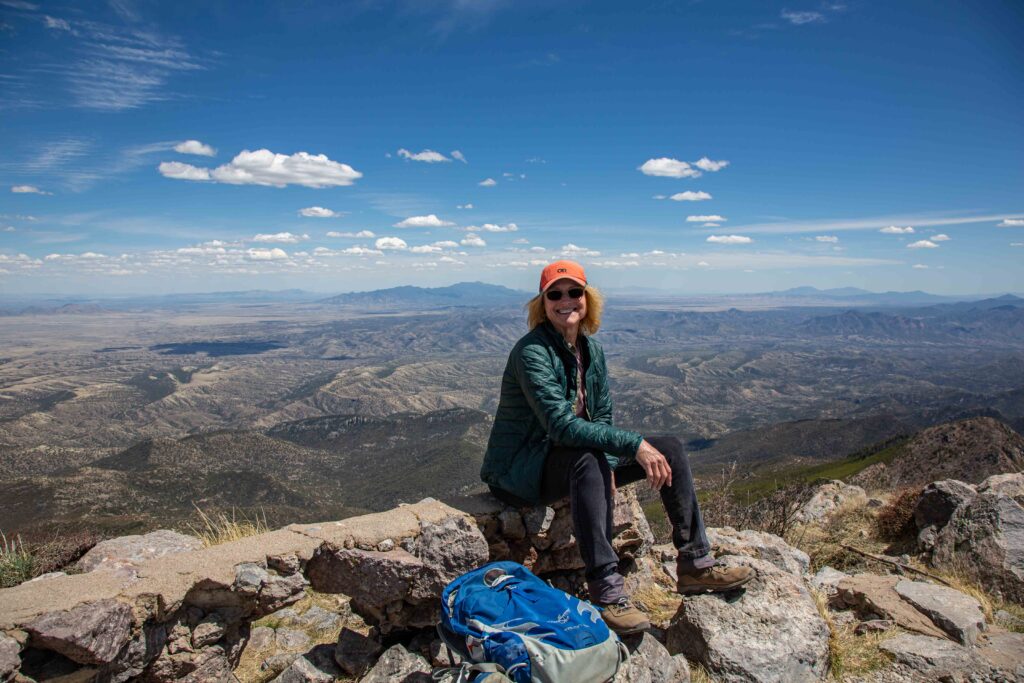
(502, 614)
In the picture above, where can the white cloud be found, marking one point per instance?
(706, 164)
(941, 238)
(630, 254)
(576, 250)
(729, 239)
(390, 243)
(922, 244)
(456, 154)
(710, 225)
(27, 189)
(538, 250)
(668, 168)
(56, 24)
(800, 18)
(895, 230)
(464, 206)
(425, 249)
(428, 156)
(659, 196)
(690, 196)
(362, 234)
(281, 237)
(263, 167)
(705, 219)
(703, 263)
(1011, 223)
(318, 212)
(195, 147)
(826, 238)
(446, 244)
(10, 228)
(275, 254)
(365, 251)
(473, 240)
(491, 227)
(520, 240)
(919, 266)
(489, 182)
(453, 261)
(1017, 244)
(429, 221)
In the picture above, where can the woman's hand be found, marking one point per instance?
(655, 465)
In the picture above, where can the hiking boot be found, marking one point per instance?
(624, 618)
(714, 579)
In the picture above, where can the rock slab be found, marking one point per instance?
(398, 664)
(938, 659)
(126, 552)
(875, 596)
(650, 662)
(91, 633)
(759, 545)
(957, 614)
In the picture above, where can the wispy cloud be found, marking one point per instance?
(428, 156)
(491, 227)
(800, 18)
(876, 223)
(319, 212)
(456, 154)
(690, 196)
(826, 238)
(1011, 223)
(896, 230)
(729, 239)
(362, 234)
(706, 164)
(706, 219)
(27, 189)
(488, 182)
(281, 237)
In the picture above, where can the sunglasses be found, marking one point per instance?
(556, 295)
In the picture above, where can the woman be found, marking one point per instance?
(553, 436)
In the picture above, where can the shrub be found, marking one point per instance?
(221, 527)
(16, 563)
(895, 519)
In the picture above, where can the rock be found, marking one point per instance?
(441, 655)
(650, 662)
(1009, 621)
(10, 657)
(290, 639)
(316, 666)
(287, 563)
(538, 519)
(874, 626)
(125, 553)
(208, 631)
(772, 631)
(938, 500)
(386, 545)
(957, 614)
(47, 576)
(827, 499)
(209, 664)
(936, 659)
(355, 653)
(261, 637)
(319, 619)
(1011, 485)
(759, 545)
(512, 526)
(398, 664)
(827, 580)
(1005, 651)
(985, 540)
(631, 534)
(90, 633)
(276, 664)
(876, 597)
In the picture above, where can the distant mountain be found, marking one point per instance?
(862, 297)
(461, 294)
(987, 322)
(968, 450)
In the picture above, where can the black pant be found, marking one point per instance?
(585, 476)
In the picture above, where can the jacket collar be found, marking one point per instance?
(558, 341)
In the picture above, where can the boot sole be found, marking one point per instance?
(721, 588)
(630, 631)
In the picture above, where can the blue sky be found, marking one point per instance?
(692, 147)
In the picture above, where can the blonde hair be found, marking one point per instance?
(535, 313)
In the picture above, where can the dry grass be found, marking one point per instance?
(698, 674)
(219, 527)
(657, 602)
(17, 565)
(895, 519)
(852, 524)
(850, 654)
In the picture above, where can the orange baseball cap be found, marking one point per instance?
(559, 270)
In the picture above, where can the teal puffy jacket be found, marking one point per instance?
(535, 412)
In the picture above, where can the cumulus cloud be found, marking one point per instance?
(729, 239)
(425, 249)
(393, 243)
(264, 167)
(576, 250)
(705, 219)
(428, 156)
(275, 254)
(365, 251)
(942, 237)
(1011, 223)
(488, 182)
(27, 189)
(668, 168)
(195, 147)
(456, 154)
(281, 237)
(464, 206)
(472, 240)
(800, 18)
(491, 227)
(318, 212)
(690, 196)
(429, 221)
(706, 164)
(826, 238)
(362, 234)
(922, 244)
(895, 230)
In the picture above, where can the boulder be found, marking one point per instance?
(398, 664)
(827, 580)
(91, 633)
(316, 666)
(938, 659)
(938, 500)
(827, 499)
(261, 638)
(291, 639)
(985, 539)
(772, 631)
(761, 546)
(1005, 651)
(874, 626)
(124, 554)
(650, 662)
(10, 657)
(355, 653)
(1011, 484)
(957, 614)
(874, 596)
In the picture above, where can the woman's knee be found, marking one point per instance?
(670, 446)
(589, 466)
